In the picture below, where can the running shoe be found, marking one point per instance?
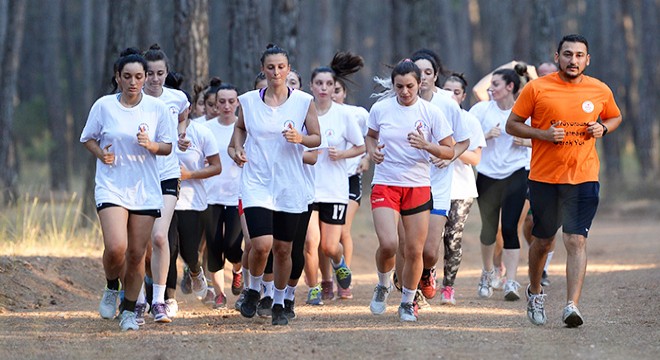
(572, 317)
(485, 289)
(264, 306)
(220, 301)
(279, 318)
(395, 281)
(236, 283)
(407, 312)
(140, 310)
(199, 285)
(379, 300)
(536, 307)
(289, 309)
(447, 296)
(428, 284)
(249, 305)
(209, 299)
(186, 281)
(344, 293)
(420, 300)
(314, 296)
(159, 312)
(544, 279)
(343, 275)
(127, 321)
(511, 290)
(498, 279)
(172, 307)
(108, 305)
(239, 301)
(326, 290)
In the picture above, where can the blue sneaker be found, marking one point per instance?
(186, 281)
(314, 296)
(343, 275)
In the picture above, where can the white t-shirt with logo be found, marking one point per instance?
(404, 165)
(360, 115)
(132, 181)
(341, 131)
(222, 189)
(192, 195)
(501, 157)
(177, 102)
(273, 176)
(464, 185)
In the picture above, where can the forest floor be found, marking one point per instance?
(48, 310)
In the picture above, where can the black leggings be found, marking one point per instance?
(184, 236)
(507, 195)
(223, 237)
(297, 250)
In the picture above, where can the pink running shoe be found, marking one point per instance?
(344, 293)
(326, 290)
(447, 296)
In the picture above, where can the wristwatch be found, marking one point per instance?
(604, 129)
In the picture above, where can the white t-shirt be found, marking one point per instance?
(200, 119)
(222, 189)
(192, 195)
(404, 165)
(441, 179)
(360, 115)
(177, 102)
(464, 185)
(342, 132)
(132, 181)
(501, 157)
(273, 176)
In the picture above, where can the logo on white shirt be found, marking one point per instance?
(289, 124)
(420, 125)
(143, 127)
(588, 107)
(329, 133)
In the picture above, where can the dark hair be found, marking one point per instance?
(297, 74)
(198, 90)
(405, 67)
(342, 65)
(174, 80)
(573, 38)
(260, 77)
(435, 60)
(226, 86)
(214, 84)
(509, 76)
(459, 78)
(156, 54)
(129, 55)
(273, 49)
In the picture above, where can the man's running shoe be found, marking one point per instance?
(536, 307)
(127, 321)
(407, 312)
(172, 307)
(264, 306)
(544, 279)
(140, 310)
(420, 300)
(159, 313)
(289, 309)
(428, 284)
(186, 281)
(220, 301)
(326, 290)
(447, 296)
(314, 296)
(572, 317)
(395, 281)
(344, 293)
(209, 299)
(379, 300)
(511, 290)
(278, 315)
(343, 275)
(485, 290)
(498, 279)
(108, 305)
(239, 301)
(249, 305)
(236, 283)
(199, 285)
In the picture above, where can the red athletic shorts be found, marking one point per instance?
(405, 200)
(240, 208)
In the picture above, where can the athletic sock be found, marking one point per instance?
(289, 292)
(113, 284)
(246, 277)
(407, 295)
(336, 266)
(385, 279)
(278, 296)
(159, 293)
(426, 272)
(547, 261)
(142, 299)
(128, 305)
(268, 288)
(255, 282)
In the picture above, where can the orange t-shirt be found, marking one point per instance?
(548, 100)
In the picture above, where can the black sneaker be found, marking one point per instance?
(278, 315)
(288, 309)
(264, 306)
(544, 279)
(249, 305)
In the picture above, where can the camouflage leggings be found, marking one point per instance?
(458, 214)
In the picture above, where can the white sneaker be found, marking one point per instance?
(511, 290)
(572, 317)
(407, 312)
(108, 305)
(379, 300)
(498, 279)
(485, 290)
(172, 307)
(127, 321)
(536, 307)
(199, 285)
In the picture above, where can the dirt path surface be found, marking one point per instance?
(48, 310)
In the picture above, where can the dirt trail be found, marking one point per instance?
(48, 310)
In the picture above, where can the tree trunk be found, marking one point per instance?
(191, 41)
(9, 67)
(284, 18)
(648, 104)
(244, 45)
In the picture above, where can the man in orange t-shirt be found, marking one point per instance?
(565, 108)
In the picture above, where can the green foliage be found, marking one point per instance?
(31, 130)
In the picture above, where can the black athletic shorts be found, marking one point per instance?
(261, 221)
(331, 213)
(153, 213)
(171, 187)
(355, 187)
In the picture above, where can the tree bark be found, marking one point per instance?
(9, 67)
(244, 45)
(191, 41)
(284, 18)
